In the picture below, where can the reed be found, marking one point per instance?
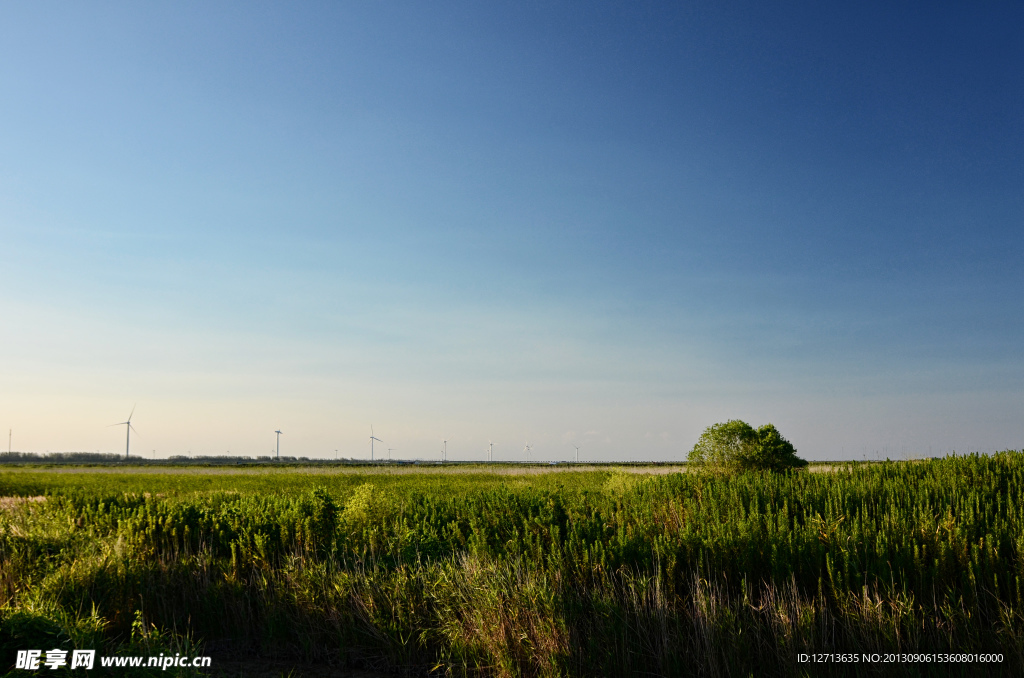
(561, 574)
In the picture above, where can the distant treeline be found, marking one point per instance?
(200, 460)
(57, 457)
(109, 458)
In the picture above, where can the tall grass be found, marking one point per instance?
(557, 575)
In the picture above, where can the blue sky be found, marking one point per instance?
(599, 224)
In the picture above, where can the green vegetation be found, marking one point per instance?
(555, 574)
(736, 446)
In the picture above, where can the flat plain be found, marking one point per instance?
(513, 570)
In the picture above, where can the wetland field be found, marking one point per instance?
(511, 570)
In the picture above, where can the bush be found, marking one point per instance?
(735, 445)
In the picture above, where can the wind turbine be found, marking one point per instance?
(278, 432)
(128, 432)
(444, 451)
(490, 451)
(389, 453)
(372, 438)
(527, 450)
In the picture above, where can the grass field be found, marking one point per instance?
(513, 571)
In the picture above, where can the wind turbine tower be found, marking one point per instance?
(490, 451)
(444, 451)
(278, 432)
(372, 438)
(577, 453)
(128, 433)
(527, 450)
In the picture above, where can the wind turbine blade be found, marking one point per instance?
(132, 412)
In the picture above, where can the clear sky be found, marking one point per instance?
(600, 224)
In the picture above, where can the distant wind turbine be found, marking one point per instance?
(372, 438)
(444, 450)
(278, 432)
(490, 451)
(389, 453)
(527, 450)
(128, 432)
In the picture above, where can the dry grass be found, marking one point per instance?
(11, 503)
(498, 469)
(461, 469)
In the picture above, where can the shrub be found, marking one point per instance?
(774, 452)
(736, 445)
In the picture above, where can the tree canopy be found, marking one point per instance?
(736, 445)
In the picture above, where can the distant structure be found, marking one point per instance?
(278, 432)
(372, 438)
(490, 451)
(577, 453)
(128, 433)
(527, 451)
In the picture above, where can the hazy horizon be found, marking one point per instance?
(608, 225)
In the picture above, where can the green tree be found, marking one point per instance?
(735, 446)
(725, 446)
(774, 452)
